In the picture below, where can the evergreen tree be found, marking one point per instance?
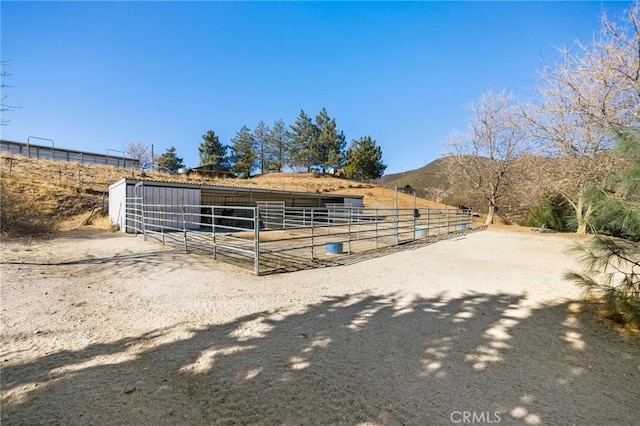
(612, 265)
(243, 153)
(262, 136)
(170, 160)
(304, 134)
(212, 152)
(278, 147)
(364, 159)
(329, 147)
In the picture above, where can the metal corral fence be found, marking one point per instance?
(271, 238)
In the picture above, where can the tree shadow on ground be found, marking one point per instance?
(352, 359)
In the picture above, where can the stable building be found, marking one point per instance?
(153, 193)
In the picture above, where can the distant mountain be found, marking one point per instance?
(430, 176)
(431, 182)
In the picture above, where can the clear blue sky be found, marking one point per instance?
(98, 75)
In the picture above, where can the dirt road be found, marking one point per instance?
(102, 328)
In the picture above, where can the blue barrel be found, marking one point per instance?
(333, 248)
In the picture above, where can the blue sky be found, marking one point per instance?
(98, 75)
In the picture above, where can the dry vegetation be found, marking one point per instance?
(42, 196)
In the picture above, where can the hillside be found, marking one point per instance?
(520, 192)
(429, 181)
(43, 196)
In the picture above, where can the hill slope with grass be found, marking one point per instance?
(42, 197)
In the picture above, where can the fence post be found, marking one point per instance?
(349, 232)
(414, 218)
(428, 225)
(144, 220)
(312, 227)
(448, 219)
(256, 240)
(184, 229)
(213, 231)
(376, 222)
(396, 239)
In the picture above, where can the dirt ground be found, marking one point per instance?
(101, 328)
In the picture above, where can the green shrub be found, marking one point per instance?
(552, 211)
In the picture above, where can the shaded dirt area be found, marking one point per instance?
(104, 328)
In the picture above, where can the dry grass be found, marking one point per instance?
(40, 197)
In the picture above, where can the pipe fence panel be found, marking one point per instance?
(271, 237)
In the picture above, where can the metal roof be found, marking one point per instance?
(229, 188)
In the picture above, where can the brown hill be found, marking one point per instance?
(42, 196)
(429, 181)
(519, 195)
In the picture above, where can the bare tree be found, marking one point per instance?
(619, 55)
(141, 152)
(4, 106)
(586, 99)
(484, 155)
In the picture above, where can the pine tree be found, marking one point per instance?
(612, 265)
(262, 136)
(212, 152)
(278, 147)
(364, 159)
(329, 148)
(243, 153)
(170, 160)
(304, 135)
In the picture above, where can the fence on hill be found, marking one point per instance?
(61, 154)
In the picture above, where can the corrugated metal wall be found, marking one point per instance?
(216, 197)
(167, 196)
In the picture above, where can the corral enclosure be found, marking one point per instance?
(271, 231)
(175, 194)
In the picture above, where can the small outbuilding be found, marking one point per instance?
(210, 170)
